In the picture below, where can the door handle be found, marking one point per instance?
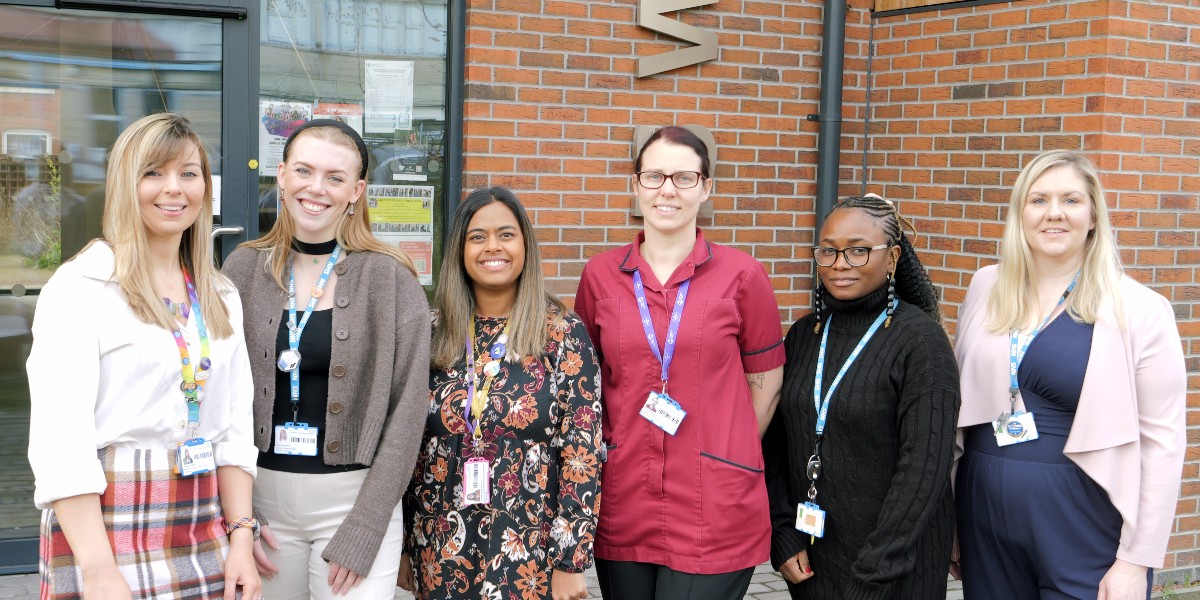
(226, 230)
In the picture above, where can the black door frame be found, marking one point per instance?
(239, 142)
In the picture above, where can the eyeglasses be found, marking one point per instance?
(856, 256)
(652, 180)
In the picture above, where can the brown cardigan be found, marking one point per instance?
(378, 382)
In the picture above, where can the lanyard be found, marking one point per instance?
(295, 330)
(193, 378)
(1016, 350)
(672, 329)
(823, 408)
(476, 402)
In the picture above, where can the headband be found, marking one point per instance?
(338, 125)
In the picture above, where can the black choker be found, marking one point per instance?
(318, 249)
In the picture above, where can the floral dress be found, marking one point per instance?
(541, 435)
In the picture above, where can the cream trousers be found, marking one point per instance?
(304, 511)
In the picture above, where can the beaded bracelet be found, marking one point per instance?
(243, 522)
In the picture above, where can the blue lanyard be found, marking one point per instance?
(823, 408)
(1016, 350)
(295, 330)
(672, 328)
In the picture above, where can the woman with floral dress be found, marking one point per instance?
(504, 500)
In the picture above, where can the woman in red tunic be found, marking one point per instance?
(691, 355)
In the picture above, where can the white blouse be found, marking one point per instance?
(98, 377)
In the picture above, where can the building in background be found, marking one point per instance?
(943, 102)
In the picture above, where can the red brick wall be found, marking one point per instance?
(960, 100)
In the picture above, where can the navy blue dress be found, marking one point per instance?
(1036, 525)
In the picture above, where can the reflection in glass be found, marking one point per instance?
(70, 81)
(380, 66)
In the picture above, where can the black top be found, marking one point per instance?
(887, 454)
(315, 344)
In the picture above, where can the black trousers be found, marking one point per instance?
(621, 580)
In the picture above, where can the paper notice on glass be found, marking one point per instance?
(277, 120)
(389, 95)
(350, 114)
(402, 216)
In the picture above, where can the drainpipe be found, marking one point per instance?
(833, 50)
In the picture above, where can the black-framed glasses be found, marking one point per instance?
(652, 180)
(856, 256)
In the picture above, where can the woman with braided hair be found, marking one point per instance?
(858, 459)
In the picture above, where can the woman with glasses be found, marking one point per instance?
(691, 356)
(858, 460)
(1073, 416)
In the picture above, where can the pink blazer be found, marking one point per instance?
(1128, 434)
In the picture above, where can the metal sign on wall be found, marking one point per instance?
(651, 15)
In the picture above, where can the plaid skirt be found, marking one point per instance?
(167, 532)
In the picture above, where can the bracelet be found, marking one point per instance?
(248, 522)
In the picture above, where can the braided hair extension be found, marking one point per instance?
(909, 278)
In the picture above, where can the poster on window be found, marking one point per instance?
(402, 216)
(277, 120)
(389, 95)
(350, 114)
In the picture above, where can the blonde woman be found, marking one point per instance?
(155, 409)
(338, 331)
(1072, 420)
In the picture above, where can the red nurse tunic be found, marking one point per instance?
(696, 501)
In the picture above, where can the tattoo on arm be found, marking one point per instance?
(756, 380)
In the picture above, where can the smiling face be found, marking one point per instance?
(668, 209)
(1058, 216)
(317, 183)
(848, 227)
(494, 250)
(170, 196)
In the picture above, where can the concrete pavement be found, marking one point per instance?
(766, 584)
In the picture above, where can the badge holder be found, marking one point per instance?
(810, 518)
(1014, 427)
(195, 456)
(295, 439)
(477, 481)
(663, 411)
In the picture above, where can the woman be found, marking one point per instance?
(1080, 470)
(685, 507)
(504, 500)
(870, 398)
(156, 409)
(338, 329)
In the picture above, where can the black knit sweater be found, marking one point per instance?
(887, 455)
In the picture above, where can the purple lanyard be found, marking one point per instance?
(648, 323)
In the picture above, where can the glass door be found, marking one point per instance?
(70, 82)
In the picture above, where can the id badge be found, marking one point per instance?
(195, 457)
(663, 411)
(1016, 429)
(810, 519)
(296, 439)
(477, 481)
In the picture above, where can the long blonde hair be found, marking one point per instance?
(455, 300)
(148, 144)
(353, 231)
(1013, 303)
